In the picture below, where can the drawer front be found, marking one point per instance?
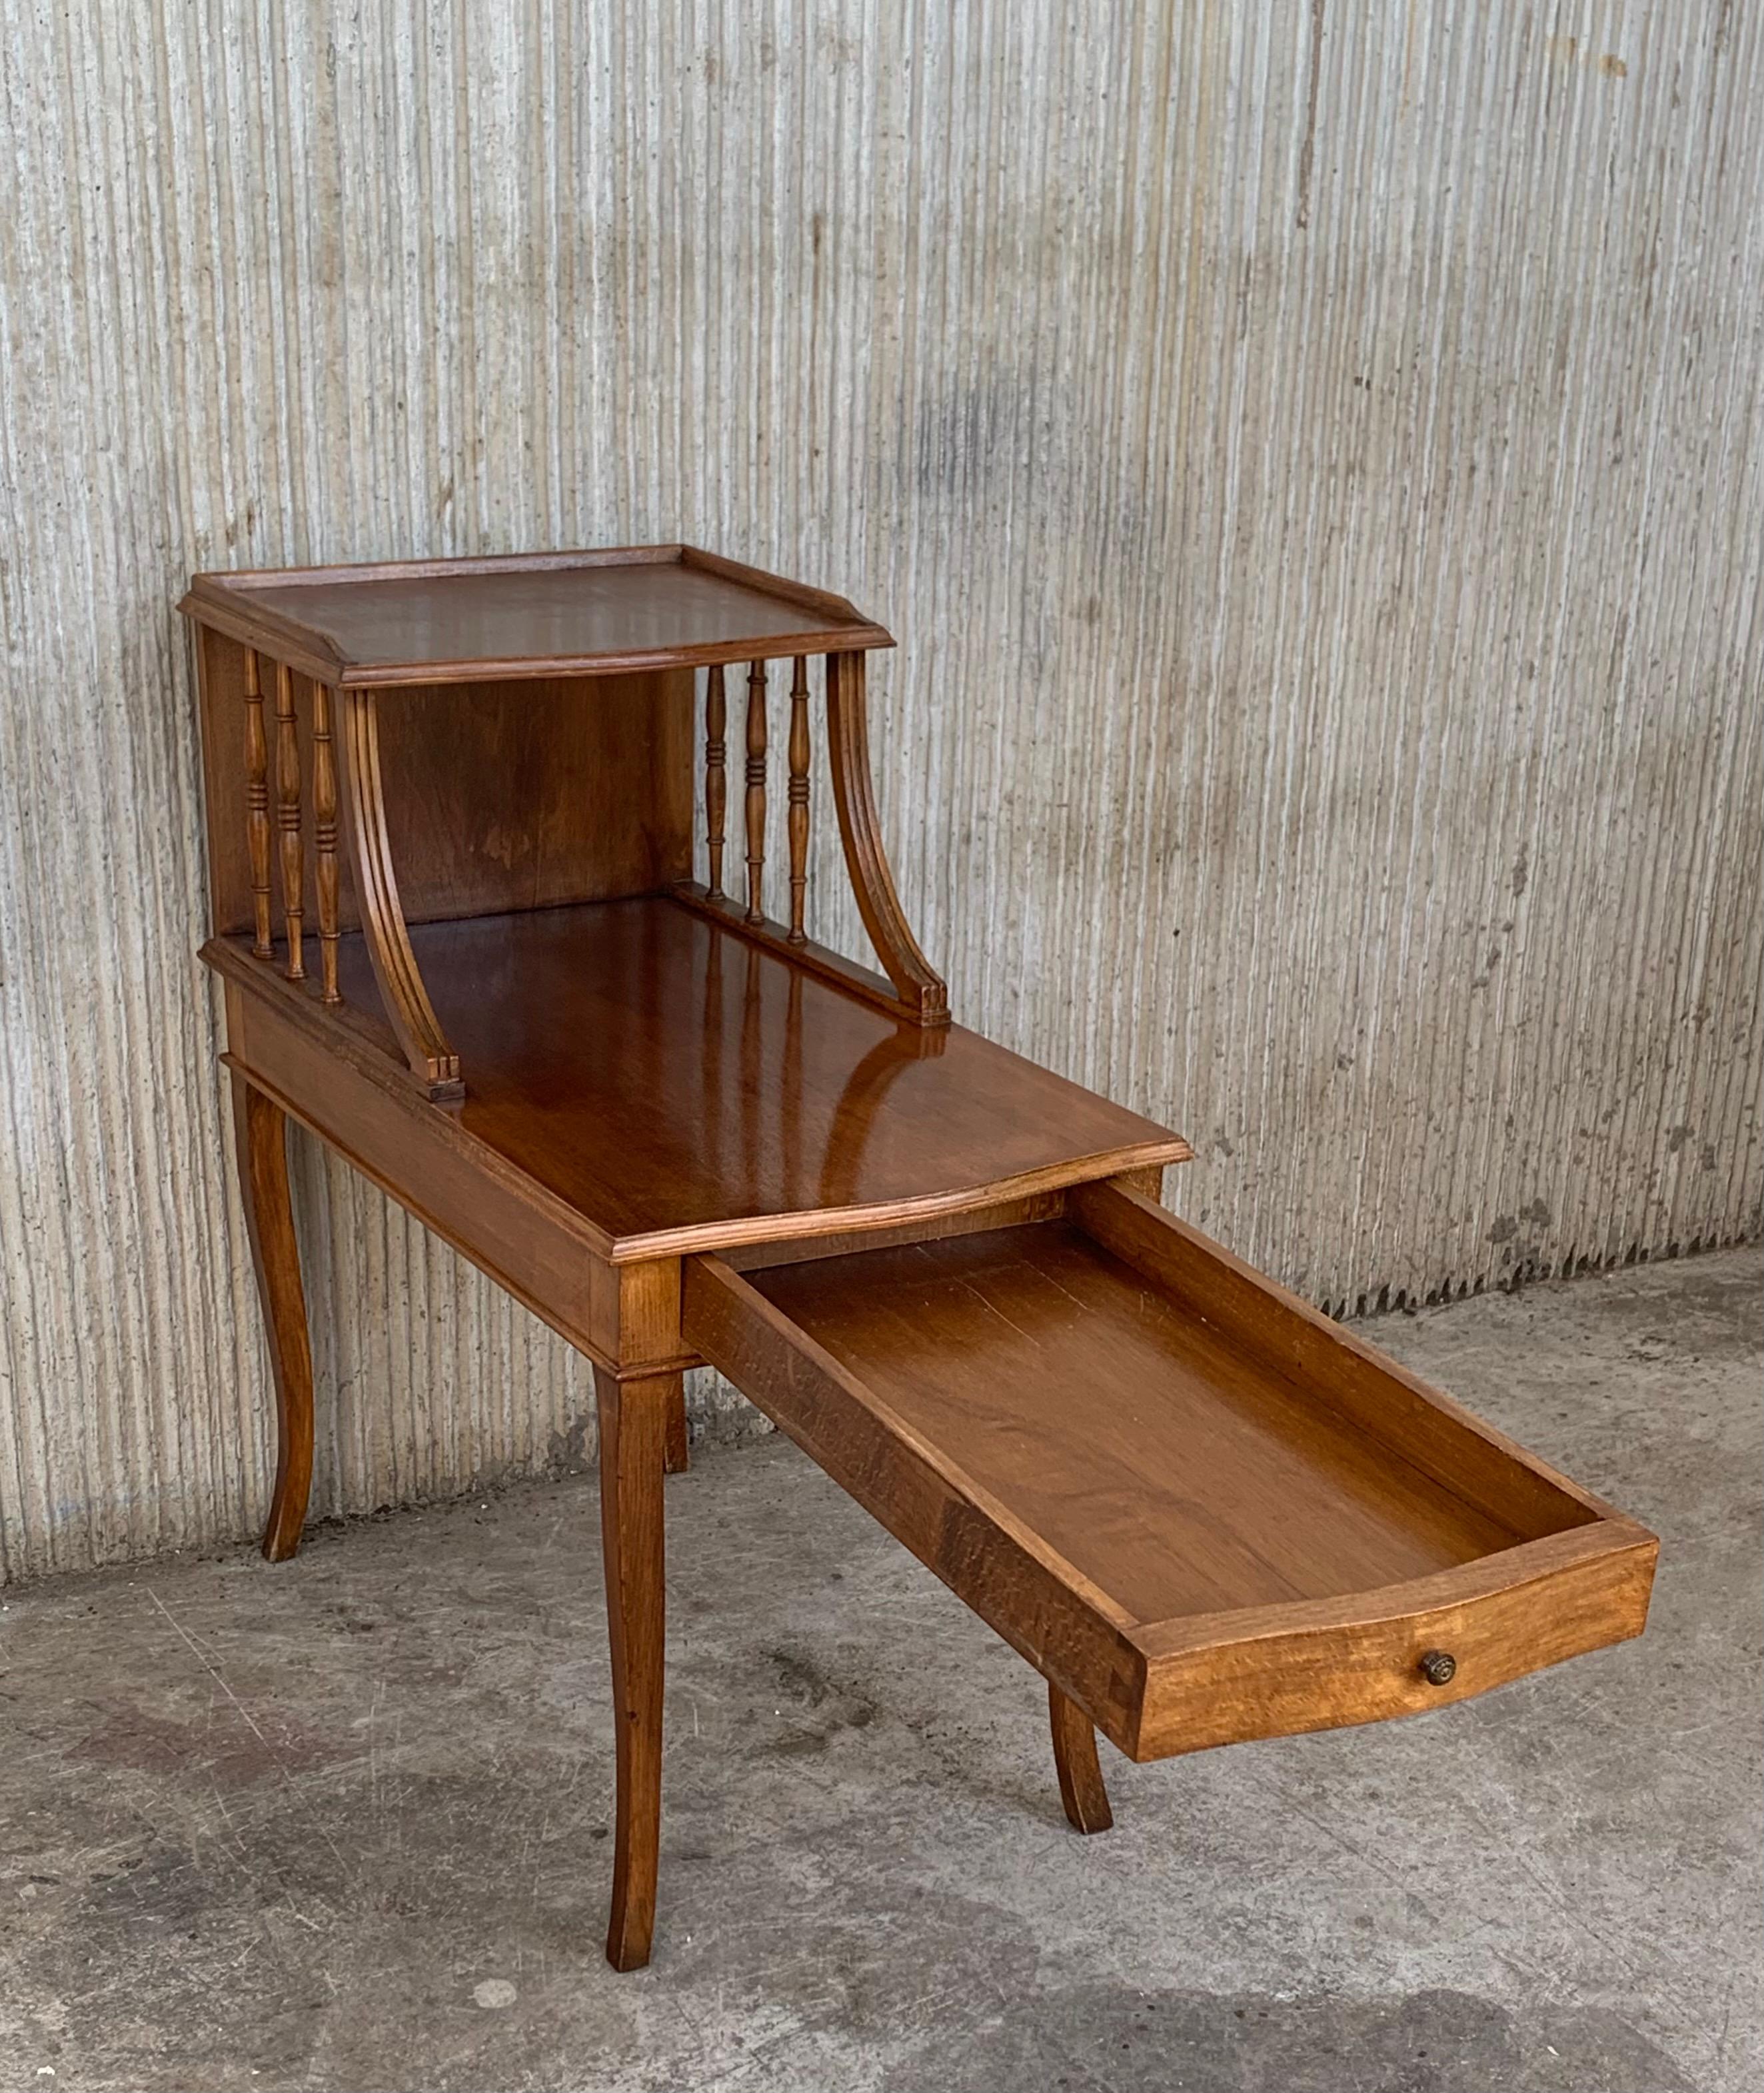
(1400, 1652)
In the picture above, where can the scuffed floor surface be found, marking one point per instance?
(344, 1824)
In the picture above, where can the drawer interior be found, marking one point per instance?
(1203, 1510)
(1175, 1472)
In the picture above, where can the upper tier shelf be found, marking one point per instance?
(530, 614)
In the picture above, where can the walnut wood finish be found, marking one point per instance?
(716, 772)
(288, 820)
(553, 1257)
(260, 1135)
(538, 794)
(687, 1134)
(402, 994)
(678, 1454)
(550, 1258)
(534, 793)
(257, 768)
(798, 800)
(809, 958)
(641, 1064)
(1363, 1388)
(921, 991)
(973, 1220)
(1082, 1790)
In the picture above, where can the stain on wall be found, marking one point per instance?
(1311, 456)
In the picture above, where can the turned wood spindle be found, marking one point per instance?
(258, 807)
(324, 837)
(799, 799)
(288, 818)
(716, 780)
(755, 789)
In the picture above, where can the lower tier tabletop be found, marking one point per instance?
(677, 1085)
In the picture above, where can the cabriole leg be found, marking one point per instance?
(260, 1134)
(1081, 1778)
(634, 1435)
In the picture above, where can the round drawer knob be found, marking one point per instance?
(1439, 1667)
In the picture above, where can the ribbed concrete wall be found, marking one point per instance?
(1311, 455)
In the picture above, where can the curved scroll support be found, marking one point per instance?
(412, 1016)
(1081, 1778)
(921, 992)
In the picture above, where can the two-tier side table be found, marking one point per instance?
(452, 809)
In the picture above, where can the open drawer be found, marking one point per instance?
(1200, 1509)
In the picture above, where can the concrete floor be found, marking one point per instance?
(344, 1824)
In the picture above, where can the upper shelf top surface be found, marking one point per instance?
(530, 614)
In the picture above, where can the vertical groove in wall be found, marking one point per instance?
(1313, 459)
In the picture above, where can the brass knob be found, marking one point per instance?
(1439, 1667)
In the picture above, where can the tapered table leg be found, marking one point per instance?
(260, 1135)
(680, 1452)
(1081, 1778)
(634, 1434)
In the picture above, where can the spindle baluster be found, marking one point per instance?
(258, 807)
(288, 816)
(716, 779)
(755, 790)
(324, 837)
(799, 799)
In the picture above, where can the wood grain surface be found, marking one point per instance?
(498, 796)
(684, 1088)
(1177, 1474)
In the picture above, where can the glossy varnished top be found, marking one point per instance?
(671, 1080)
(539, 614)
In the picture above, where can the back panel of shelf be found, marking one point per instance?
(499, 796)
